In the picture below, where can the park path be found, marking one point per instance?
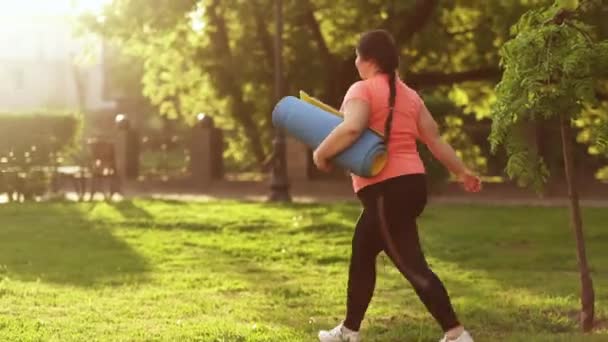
(338, 191)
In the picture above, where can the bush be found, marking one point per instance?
(38, 135)
(30, 144)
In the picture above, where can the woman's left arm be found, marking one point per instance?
(356, 118)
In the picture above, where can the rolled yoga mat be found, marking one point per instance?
(310, 124)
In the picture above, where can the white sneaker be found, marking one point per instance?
(464, 337)
(339, 334)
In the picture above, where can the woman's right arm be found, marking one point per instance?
(429, 134)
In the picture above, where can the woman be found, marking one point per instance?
(393, 199)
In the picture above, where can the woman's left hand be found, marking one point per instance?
(471, 182)
(321, 162)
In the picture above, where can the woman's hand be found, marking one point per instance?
(321, 162)
(429, 134)
(356, 116)
(470, 181)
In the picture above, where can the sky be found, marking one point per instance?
(41, 28)
(36, 8)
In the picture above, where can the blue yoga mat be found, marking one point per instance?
(310, 124)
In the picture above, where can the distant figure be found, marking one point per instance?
(102, 166)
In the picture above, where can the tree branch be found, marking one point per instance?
(418, 17)
(262, 32)
(230, 84)
(266, 42)
(313, 25)
(431, 79)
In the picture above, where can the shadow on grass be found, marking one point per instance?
(130, 210)
(250, 226)
(286, 300)
(292, 297)
(325, 229)
(525, 254)
(501, 241)
(520, 259)
(189, 226)
(518, 247)
(55, 242)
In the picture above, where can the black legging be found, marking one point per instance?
(394, 204)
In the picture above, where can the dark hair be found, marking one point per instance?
(379, 45)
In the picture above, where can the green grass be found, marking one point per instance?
(226, 271)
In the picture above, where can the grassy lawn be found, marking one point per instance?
(226, 271)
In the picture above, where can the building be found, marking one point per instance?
(41, 66)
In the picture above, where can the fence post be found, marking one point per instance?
(206, 152)
(126, 149)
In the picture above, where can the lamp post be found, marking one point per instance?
(279, 185)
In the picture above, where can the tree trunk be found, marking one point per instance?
(230, 86)
(587, 293)
(79, 86)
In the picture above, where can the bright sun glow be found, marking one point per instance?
(32, 29)
(36, 8)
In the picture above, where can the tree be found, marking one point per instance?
(552, 69)
(216, 56)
